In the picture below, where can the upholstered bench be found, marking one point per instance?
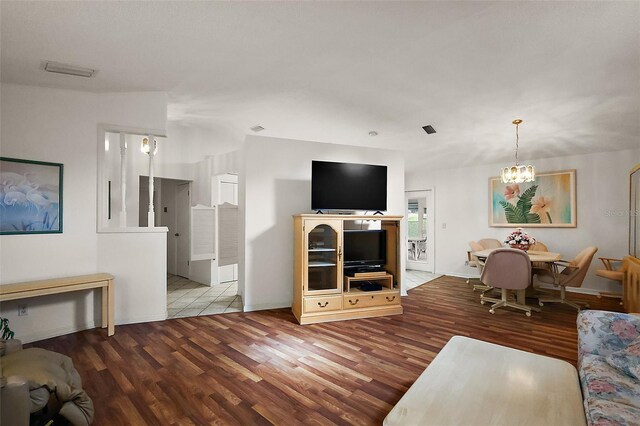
(471, 382)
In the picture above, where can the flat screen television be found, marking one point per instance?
(365, 248)
(348, 186)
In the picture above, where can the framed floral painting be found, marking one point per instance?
(547, 202)
(30, 197)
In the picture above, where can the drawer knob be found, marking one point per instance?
(391, 299)
(323, 306)
(354, 303)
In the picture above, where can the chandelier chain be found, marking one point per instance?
(517, 143)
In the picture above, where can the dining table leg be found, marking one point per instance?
(521, 298)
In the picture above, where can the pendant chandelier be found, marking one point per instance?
(518, 173)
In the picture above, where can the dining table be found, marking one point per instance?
(534, 256)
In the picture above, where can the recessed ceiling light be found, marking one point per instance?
(59, 68)
(429, 129)
(373, 133)
(257, 128)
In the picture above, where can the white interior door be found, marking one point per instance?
(183, 205)
(419, 207)
(228, 193)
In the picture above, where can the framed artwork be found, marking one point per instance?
(30, 197)
(547, 202)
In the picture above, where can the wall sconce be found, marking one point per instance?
(145, 148)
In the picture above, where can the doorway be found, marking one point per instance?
(420, 235)
(183, 204)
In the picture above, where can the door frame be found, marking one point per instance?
(431, 232)
(187, 212)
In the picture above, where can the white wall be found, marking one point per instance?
(275, 183)
(61, 126)
(461, 202)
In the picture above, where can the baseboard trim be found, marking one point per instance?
(265, 306)
(457, 275)
(149, 318)
(61, 331)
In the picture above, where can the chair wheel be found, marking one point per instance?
(540, 303)
(482, 302)
(491, 311)
(528, 314)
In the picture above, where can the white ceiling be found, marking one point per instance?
(333, 71)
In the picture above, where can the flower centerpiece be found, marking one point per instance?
(519, 239)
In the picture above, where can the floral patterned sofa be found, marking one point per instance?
(609, 367)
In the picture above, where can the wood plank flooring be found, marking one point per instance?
(262, 367)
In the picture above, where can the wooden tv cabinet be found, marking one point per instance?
(321, 291)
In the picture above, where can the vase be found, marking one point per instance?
(523, 247)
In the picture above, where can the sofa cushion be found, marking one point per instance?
(607, 413)
(601, 381)
(627, 360)
(603, 332)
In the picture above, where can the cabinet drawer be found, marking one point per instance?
(321, 304)
(364, 300)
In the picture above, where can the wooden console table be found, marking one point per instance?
(64, 285)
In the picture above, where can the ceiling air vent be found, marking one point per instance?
(59, 68)
(429, 129)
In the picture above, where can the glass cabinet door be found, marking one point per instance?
(324, 257)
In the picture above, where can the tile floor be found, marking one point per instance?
(189, 299)
(417, 278)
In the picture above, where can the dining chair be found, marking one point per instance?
(474, 262)
(411, 249)
(572, 275)
(536, 266)
(613, 270)
(507, 269)
(489, 243)
(421, 248)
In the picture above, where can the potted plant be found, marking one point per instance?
(5, 334)
(519, 239)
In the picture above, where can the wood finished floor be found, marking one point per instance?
(262, 367)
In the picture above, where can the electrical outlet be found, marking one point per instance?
(23, 310)
(444, 226)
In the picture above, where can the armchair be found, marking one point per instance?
(572, 275)
(612, 271)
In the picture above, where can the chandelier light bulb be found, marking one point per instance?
(145, 148)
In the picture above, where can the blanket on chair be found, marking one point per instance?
(55, 372)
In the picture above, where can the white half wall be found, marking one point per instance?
(138, 262)
(275, 184)
(461, 202)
